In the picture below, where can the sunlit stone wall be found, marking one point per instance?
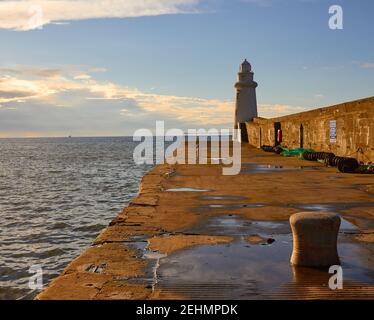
(352, 122)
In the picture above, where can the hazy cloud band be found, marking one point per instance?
(25, 15)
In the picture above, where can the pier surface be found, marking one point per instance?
(193, 233)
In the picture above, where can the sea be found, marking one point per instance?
(56, 195)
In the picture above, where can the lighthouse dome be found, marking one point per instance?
(245, 66)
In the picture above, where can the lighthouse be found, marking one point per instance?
(246, 102)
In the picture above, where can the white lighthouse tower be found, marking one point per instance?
(246, 102)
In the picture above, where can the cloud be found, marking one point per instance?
(82, 77)
(319, 96)
(50, 72)
(73, 88)
(277, 110)
(367, 65)
(32, 83)
(70, 100)
(269, 3)
(25, 15)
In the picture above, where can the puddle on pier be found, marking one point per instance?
(236, 226)
(138, 237)
(150, 279)
(234, 271)
(229, 206)
(357, 223)
(345, 225)
(139, 246)
(338, 207)
(222, 198)
(241, 271)
(348, 223)
(267, 168)
(185, 190)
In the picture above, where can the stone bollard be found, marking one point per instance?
(315, 236)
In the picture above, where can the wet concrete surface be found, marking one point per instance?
(196, 234)
(336, 207)
(221, 198)
(228, 206)
(243, 270)
(186, 190)
(267, 168)
(238, 270)
(234, 225)
(235, 270)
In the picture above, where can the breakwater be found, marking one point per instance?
(195, 233)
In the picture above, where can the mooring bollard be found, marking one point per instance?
(315, 236)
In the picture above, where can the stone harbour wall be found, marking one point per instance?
(345, 129)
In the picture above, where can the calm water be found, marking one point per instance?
(56, 194)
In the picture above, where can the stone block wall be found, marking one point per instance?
(354, 123)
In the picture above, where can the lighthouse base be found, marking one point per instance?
(243, 132)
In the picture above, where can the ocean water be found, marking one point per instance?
(56, 195)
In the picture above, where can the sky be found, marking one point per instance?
(110, 67)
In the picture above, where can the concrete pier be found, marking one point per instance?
(193, 233)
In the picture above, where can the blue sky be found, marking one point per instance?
(111, 67)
